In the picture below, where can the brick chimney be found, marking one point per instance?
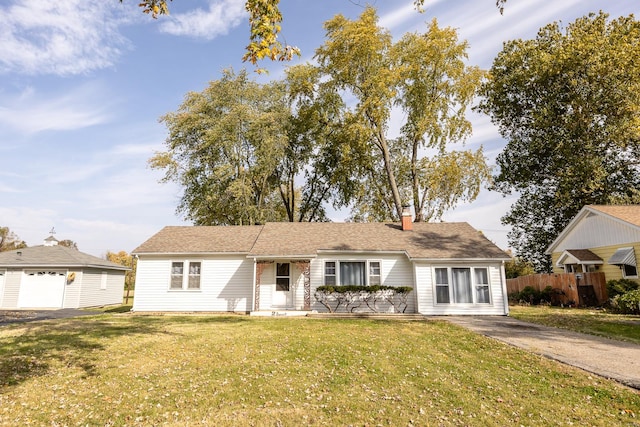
(407, 224)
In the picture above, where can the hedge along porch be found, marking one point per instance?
(277, 267)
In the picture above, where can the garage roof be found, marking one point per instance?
(54, 256)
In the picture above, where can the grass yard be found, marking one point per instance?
(596, 322)
(122, 369)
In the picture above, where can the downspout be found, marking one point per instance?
(254, 306)
(503, 278)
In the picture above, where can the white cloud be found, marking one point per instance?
(401, 15)
(31, 112)
(207, 24)
(67, 37)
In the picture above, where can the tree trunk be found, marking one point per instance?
(397, 201)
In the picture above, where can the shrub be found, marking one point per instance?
(531, 295)
(620, 287)
(627, 303)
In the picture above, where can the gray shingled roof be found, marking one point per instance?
(284, 239)
(201, 239)
(54, 256)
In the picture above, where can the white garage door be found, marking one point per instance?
(42, 289)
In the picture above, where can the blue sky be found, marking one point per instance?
(83, 83)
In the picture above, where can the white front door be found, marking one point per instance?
(283, 295)
(42, 289)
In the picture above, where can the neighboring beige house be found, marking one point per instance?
(275, 268)
(602, 238)
(52, 276)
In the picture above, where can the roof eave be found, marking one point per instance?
(461, 260)
(63, 265)
(183, 254)
(267, 256)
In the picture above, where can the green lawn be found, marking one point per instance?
(122, 369)
(587, 320)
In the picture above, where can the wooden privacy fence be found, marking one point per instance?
(583, 289)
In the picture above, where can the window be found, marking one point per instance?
(103, 280)
(352, 273)
(282, 277)
(626, 259)
(194, 275)
(459, 285)
(442, 286)
(177, 273)
(482, 285)
(330, 273)
(629, 271)
(358, 273)
(189, 281)
(374, 273)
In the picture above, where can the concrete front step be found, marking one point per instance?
(367, 315)
(280, 313)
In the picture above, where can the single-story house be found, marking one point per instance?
(599, 238)
(53, 276)
(276, 268)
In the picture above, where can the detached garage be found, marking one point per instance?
(52, 276)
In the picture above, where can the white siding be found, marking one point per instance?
(72, 290)
(595, 231)
(225, 285)
(3, 274)
(267, 286)
(395, 270)
(426, 292)
(91, 292)
(11, 288)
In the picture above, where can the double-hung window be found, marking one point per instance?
(185, 275)
(442, 286)
(330, 273)
(482, 285)
(358, 273)
(461, 285)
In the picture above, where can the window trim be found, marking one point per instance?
(338, 279)
(186, 275)
(623, 268)
(450, 284)
(103, 280)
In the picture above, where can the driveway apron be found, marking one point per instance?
(21, 316)
(605, 357)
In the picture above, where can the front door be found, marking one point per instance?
(283, 295)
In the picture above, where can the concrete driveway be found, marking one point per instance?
(605, 357)
(17, 316)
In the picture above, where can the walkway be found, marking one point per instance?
(605, 357)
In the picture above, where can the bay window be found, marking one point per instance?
(461, 285)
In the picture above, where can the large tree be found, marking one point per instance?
(264, 21)
(224, 146)
(423, 79)
(246, 153)
(568, 104)
(9, 241)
